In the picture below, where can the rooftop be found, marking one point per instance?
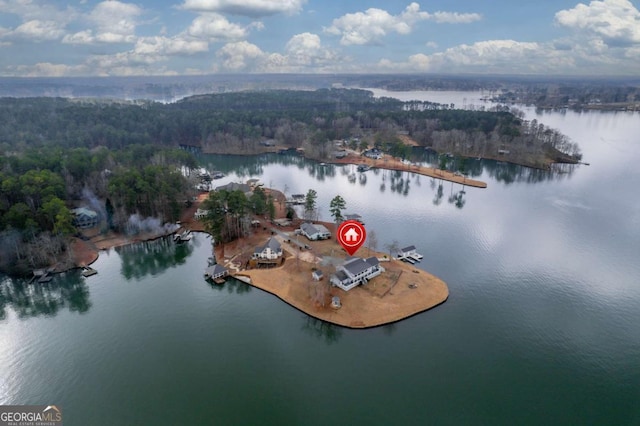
(271, 243)
(358, 264)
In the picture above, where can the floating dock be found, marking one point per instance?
(88, 271)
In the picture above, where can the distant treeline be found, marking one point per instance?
(238, 122)
(618, 93)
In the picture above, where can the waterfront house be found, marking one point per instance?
(297, 199)
(84, 218)
(373, 153)
(354, 216)
(233, 186)
(271, 250)
(314, 231)
(356, 271)
(216, 272)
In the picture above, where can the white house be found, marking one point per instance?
(314, 231)
(356, 271)
(270, 250)
(200, 214)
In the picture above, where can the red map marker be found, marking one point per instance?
(351, 235)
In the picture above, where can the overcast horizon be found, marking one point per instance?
(203, 37)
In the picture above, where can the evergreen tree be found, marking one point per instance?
(336, 207)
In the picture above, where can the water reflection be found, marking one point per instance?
(437, 200)
(499, 170)
(389, 329)
(153, 257)
(67, 290)
(250, 166)
(326, 331)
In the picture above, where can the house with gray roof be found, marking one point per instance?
(314, 231)
(271, 250)
(353, 216)
(215, 272)
(84, 217)
(233, 186)
(356, 271)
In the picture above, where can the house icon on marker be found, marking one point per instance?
(351, 235)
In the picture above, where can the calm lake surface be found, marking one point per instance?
(542, 325)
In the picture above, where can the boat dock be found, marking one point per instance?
(88, 271)
(409, 254)
(42, 275)
(182, 237)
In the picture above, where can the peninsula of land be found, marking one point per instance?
(400, 292)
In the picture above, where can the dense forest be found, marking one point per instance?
(40, 185)
(239, 122)
(122, 158)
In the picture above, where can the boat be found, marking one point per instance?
(88, 271)
(363, 168)
(182, 237)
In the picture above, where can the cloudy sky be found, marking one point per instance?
(173, 37)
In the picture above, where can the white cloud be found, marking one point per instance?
(81, 37)
(37, 30)
(161, 46)
(113, 21)
(29, 10)
(565, 56)
(491, 56)
(212, 26)
(617, 21)
(371, 26)
(455, 17)
(240, 56)
(251, 8)
(40, 21)
(302, 53)
(306, 50)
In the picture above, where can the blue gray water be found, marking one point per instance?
(541, 326)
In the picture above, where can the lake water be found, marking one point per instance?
(542, 325)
